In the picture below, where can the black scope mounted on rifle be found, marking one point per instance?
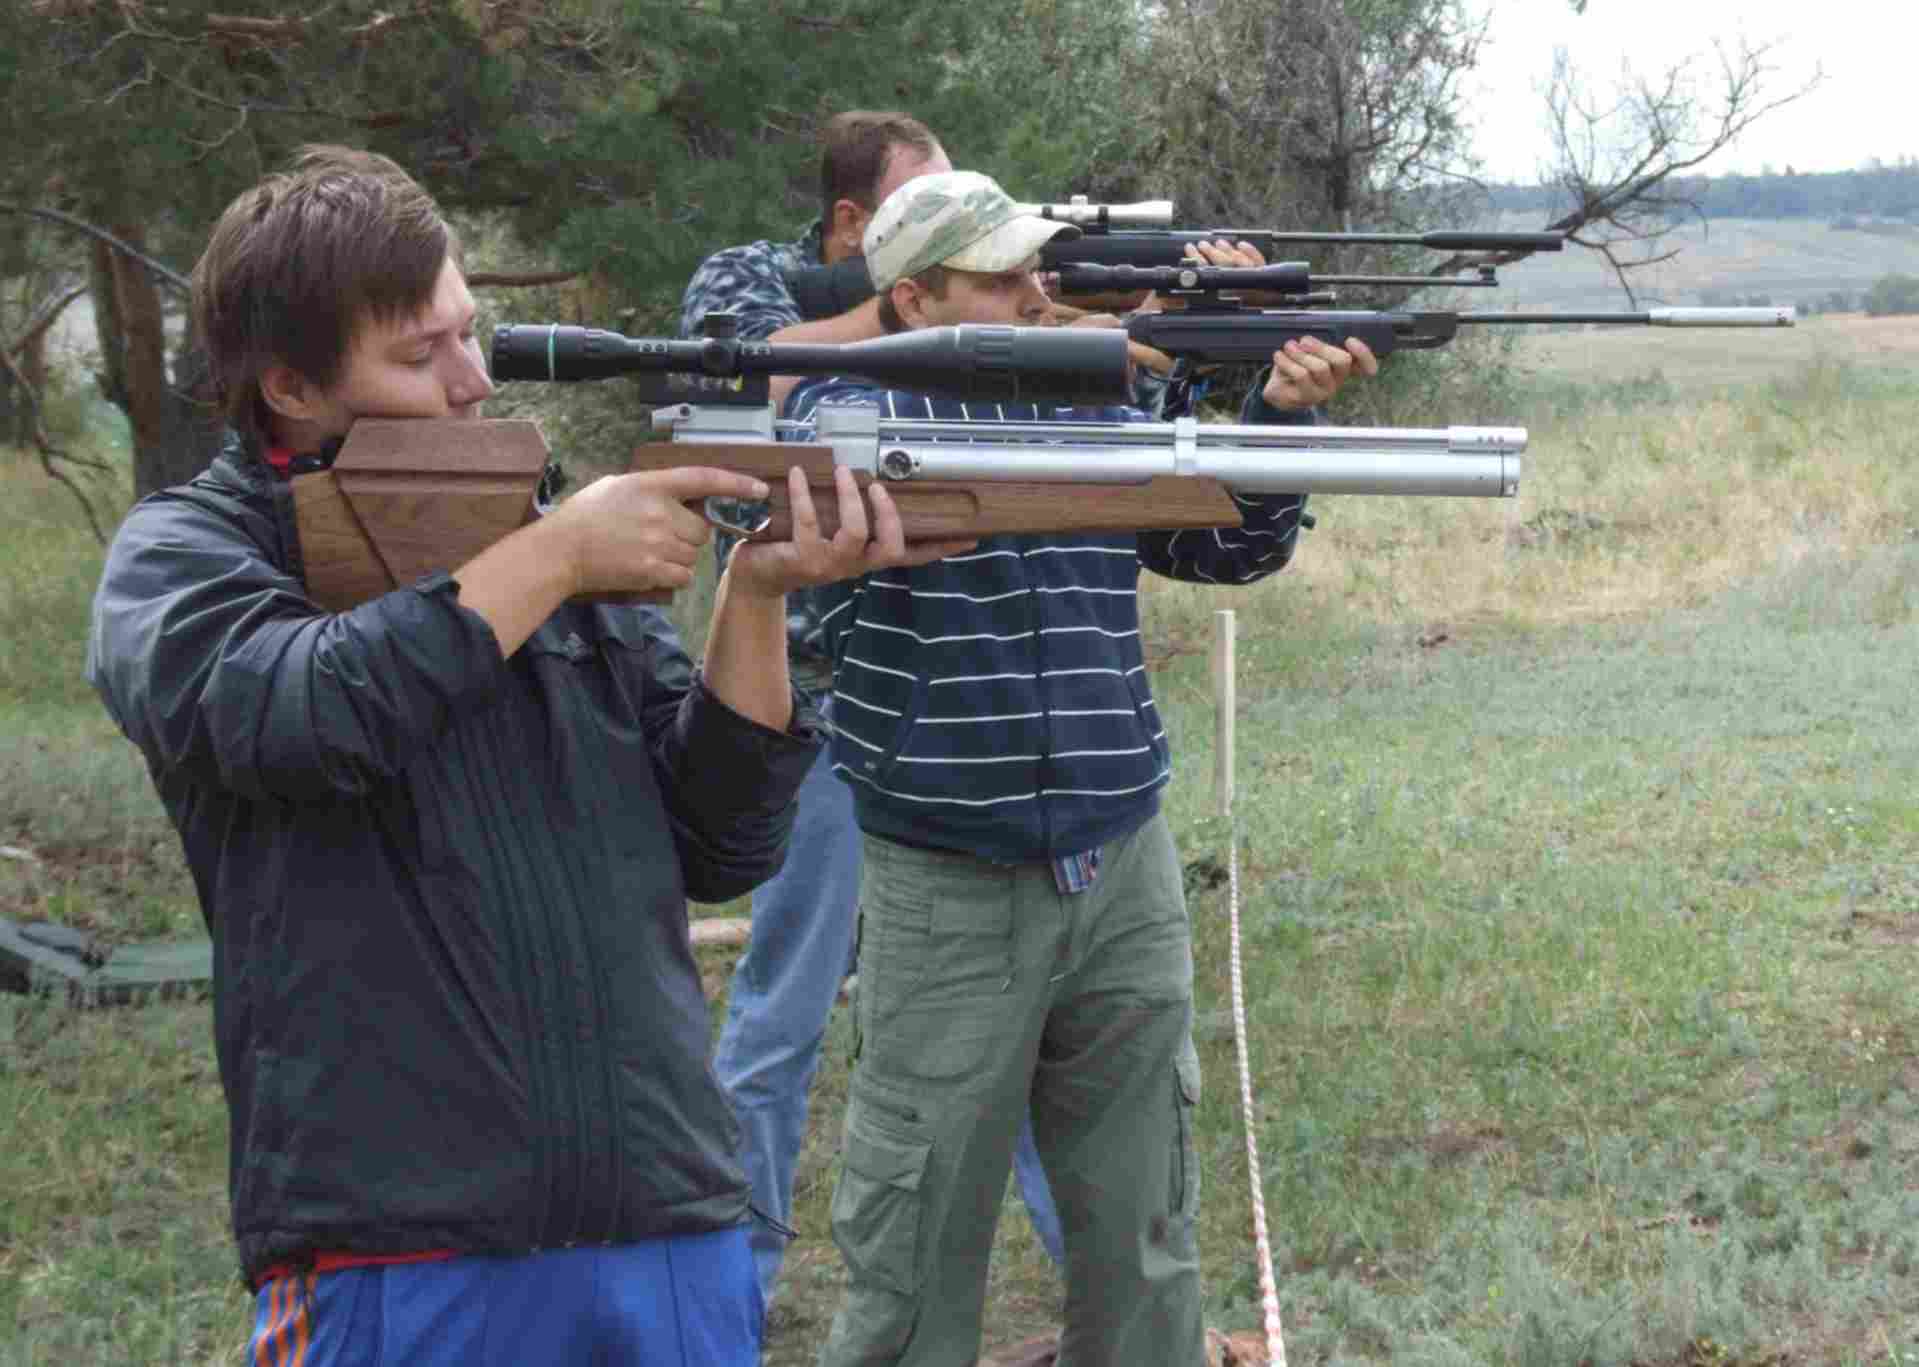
(1147, 247)
(972, 361)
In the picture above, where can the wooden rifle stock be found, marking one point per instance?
(406, 498)
(944, 510)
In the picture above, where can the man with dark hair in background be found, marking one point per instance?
(864, 156)
(804, 918)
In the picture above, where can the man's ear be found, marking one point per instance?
(848, 227)
(289, 393)
(909, 301)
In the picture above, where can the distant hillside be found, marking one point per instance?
(1734, 261)
(1863, 196)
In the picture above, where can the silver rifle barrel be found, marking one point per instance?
(1769, 317)
(1481, 463)
(1724, 318)
(1454, 440)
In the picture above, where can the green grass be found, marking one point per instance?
(1579, 868)
(1609, 1044)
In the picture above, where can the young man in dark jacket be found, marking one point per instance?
(1023, 933)
(444, 841)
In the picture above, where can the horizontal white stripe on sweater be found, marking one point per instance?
(971, 557)
(1154, 782)
(1055, 590)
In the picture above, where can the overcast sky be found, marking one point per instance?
(1862, 109)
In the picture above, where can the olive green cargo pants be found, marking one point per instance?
(979, 985)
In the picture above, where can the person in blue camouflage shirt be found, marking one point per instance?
(804, 918)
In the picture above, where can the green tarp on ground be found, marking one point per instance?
(53, 960)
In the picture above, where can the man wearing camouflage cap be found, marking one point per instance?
(1023, 934)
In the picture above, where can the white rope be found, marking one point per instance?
(1268, 1288)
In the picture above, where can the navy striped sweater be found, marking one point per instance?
(995, 703)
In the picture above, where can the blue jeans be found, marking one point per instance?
(804, 921)
(658, 1303)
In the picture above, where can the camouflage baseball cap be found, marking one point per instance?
(960, 219)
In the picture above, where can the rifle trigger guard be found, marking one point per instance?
(740, 516)
(1186, 446)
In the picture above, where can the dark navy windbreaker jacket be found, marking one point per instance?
(455, 1007)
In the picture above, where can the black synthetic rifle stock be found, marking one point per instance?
(1294, 279)
(1212, 326)
(1206, 333)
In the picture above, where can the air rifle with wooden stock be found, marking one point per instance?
(979, 478)
(404, 498)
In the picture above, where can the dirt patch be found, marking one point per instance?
(87, 887)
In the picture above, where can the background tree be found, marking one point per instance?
(1330, 114)
(615, 142)
(1618, 157)
(621, 141)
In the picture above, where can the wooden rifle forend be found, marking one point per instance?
(944, 510)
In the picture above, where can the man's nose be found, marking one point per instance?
(469, 383)
(1032, 300)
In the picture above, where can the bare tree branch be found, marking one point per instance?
(49, 315)
(1613, 156)
(161, 269)
(49, 453)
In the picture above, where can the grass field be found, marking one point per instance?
(1697, 361)
(1579, 867)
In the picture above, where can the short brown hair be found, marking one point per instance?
(854, 149)
(298, 263)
